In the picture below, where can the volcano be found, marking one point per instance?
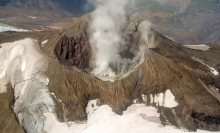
(53, 77)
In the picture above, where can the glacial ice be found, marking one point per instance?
(22, 65)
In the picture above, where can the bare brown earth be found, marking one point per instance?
(11, 36)
(8, 121)
(168, 66)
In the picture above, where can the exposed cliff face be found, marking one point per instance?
(74, 51)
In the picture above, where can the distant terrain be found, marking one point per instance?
(40, 14)
(187, 21)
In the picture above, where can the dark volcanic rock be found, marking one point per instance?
(74, 51)
(205, 122)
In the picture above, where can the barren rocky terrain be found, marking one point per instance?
(167, 66)
(48, 72)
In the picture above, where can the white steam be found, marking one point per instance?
(144, 28)
(107, 37)
(108, 20)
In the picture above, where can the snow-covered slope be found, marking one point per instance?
(138, 118)
(23, 66)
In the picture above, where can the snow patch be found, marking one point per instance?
(213, 71)
(169, 100)
(144, 97)
(43, 43)
(20, 118)
(166, 99)
(201, 47)
(33, 17)
(91, 107)
(135, 101)
(151, 99)
(106, 78)
(56, 97)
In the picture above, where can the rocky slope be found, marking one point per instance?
(191, 76)
(9, 123)
(168, 66)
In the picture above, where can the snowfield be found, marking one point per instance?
(138, 118)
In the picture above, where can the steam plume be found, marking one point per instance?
(107, 22)
(106, 36)
(144, 29)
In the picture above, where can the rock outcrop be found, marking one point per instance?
(74, 51)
